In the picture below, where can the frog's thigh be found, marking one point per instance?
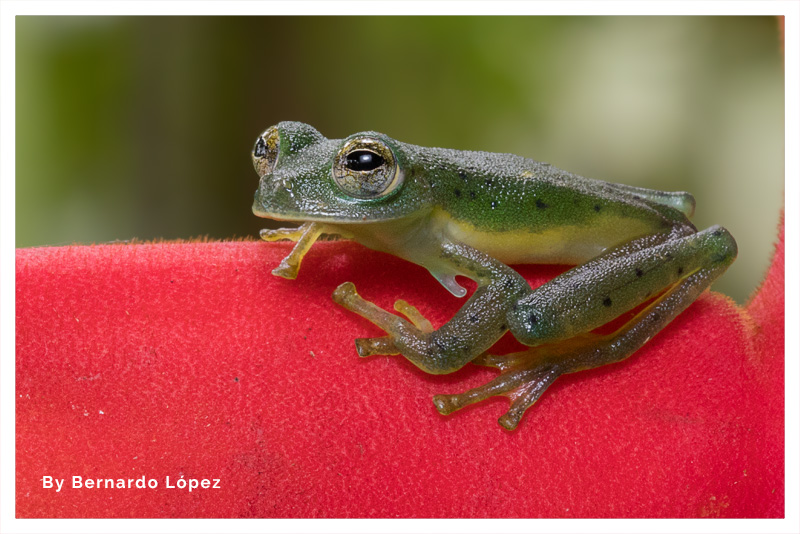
(592, 294)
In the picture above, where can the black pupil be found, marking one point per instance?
(363, 160)
(261, 148)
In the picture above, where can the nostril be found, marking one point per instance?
(286, 183)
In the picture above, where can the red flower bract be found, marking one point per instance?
(191, 361)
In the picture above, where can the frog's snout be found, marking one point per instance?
(281, 185)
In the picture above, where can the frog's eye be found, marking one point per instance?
(265, 151)
(366, 168)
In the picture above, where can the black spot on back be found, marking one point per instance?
(540, 204)
(457, 193)
(607, 302)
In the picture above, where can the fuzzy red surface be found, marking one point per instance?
(192, 361)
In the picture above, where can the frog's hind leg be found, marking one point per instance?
(526, 375)
(679, 200)
(522, 383)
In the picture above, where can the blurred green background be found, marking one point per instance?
(141, 127)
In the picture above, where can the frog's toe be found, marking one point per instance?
(280, 234)
(286, 270)
(344, 294)
(371, 346)
(413, 315)
(504, 362)
(526, 395)
(447, 404)
(347, 297)
(523, 386)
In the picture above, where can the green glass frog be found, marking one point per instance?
(472, 214)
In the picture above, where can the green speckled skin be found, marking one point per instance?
(472, 214)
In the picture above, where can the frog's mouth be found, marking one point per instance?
(258, 212)
(294, 209)
(320, 217)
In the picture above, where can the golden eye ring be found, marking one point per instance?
(265, 151)
(366, 168)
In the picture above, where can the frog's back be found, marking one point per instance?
(522, 211)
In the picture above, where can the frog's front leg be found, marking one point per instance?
(305, 236)
(347, 296)
(471, 331)
(560, 314)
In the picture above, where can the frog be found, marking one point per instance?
(636, 258)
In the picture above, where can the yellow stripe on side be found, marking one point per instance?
(570, 245)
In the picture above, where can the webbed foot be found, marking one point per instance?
(523, 380)
(526, 375)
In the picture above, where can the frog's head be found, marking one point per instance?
(306, 177)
